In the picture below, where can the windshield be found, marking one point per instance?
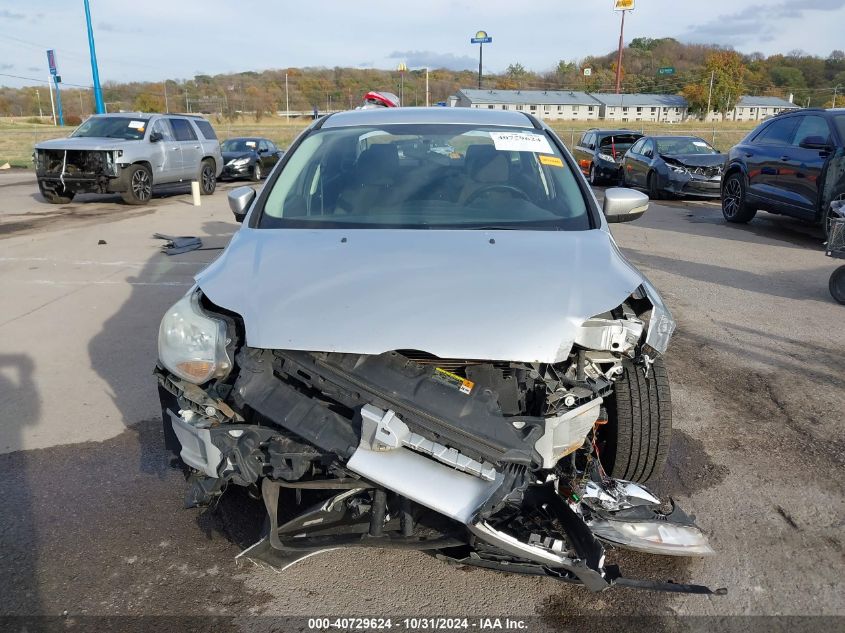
(239, 145)
(680, 145)
(426, 177)
(126, 128)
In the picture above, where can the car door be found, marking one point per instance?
(185, 135)
(629, 162)
(264, 155)
(638, 165)
(582, 152)
(767, 162)
(805, 164)
(166, 157)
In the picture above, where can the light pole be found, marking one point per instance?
(835, 92)
(481, 38)
(38, 96)
(402, 68)
(287, 100)
(98, 93)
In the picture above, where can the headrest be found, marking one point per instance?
(486, 164)
(377, 164)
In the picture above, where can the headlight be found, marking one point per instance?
(607, 157)
(678, 169)
(240, 162)
(662, 324)
(654, 537)
(191, 344)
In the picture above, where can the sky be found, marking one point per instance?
(177, 39)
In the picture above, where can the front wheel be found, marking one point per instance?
(256, 172)
(594, 180)
(837, 285)
(139, 185)
(734, 207)
(208, 180)
(654, 190)
(636, 437)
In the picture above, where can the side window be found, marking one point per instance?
(591, 140)
(778, 132)
(638, 147)
(206, 130)
(263, 147)
(583, 141)
(182, 130)
(272, 146)
(648, 149)
(162, 127)
(811, 125)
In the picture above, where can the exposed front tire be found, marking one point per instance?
(139, 185)
(654, 190)
(208, 181)
(54, 197)
(594, 180)
(639, 428)
(734, 206)
(256, 172)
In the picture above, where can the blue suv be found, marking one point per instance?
(792, 164)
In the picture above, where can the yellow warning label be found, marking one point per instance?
(554, 161)
(453, 380)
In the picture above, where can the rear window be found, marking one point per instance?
(206, 130)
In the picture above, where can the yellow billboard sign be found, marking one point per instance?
(623, 5)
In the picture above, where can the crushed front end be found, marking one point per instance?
(77, 171)
(497, 464)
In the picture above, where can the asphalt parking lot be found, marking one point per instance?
(91, 518)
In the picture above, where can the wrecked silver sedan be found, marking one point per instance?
(402, 348)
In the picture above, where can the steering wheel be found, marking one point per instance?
(519, 193)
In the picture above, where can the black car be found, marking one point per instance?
(792, 164)
(673, 165)
(599, 153)
(249, 157)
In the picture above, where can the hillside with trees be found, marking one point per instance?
(809, 78)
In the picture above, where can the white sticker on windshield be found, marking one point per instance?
(699, 143)
(136, 125)
(250, 143)
(521, 142)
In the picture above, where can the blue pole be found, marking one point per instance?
(98, 93)
(58, 101)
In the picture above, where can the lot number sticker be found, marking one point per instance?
(521, 142)
(136, 125)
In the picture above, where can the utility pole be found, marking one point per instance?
(38, 96)
(287, 101)
(187, 106)
(402, 68)
(619, 56)
(710, 94)
(166, 105)
(81, 107)
(427, 92)
(835, 91)
(98, 93)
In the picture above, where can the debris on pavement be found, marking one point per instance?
(176, 245)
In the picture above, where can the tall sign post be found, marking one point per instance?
(402, 68)
(623, 6)
(57, 79)
(98, 93)
(481, 38)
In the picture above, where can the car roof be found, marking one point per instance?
(438, 115)
(609, 132)
(674, 137)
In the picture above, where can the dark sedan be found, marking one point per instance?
(674, 165)
(249, 157)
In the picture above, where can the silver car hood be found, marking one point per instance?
(496, 295)
(85, 143)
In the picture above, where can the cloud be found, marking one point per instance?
(416, 59)
(34, 69)
(758, 22)
(11, 16)
(6, 66)
(106, 26)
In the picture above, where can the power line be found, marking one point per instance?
(41, 81)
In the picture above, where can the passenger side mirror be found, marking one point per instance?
(622, 205)
(155, 137)
(239, 201)
(815, 142)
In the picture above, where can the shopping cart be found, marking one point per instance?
(836, 248)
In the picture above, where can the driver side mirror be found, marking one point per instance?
(623, 205)
(155, 137)
(239, 201)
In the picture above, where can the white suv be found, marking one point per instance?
(129, 153)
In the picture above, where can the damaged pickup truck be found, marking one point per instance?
(447, 353)
(128, 154)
